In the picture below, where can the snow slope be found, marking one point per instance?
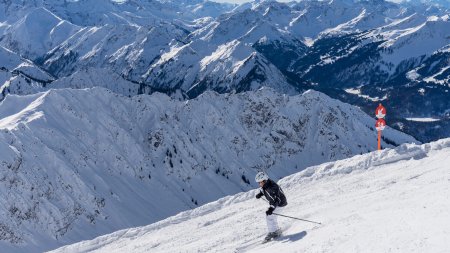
(125, 49)
(101, 12)
(19, 75)
(93, 77)
(76, 164)
(37, 33)
(395, 200)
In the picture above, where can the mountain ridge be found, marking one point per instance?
(75, 161)
(377, 48)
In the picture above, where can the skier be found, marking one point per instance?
(275, 195)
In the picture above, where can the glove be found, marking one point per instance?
(270, 211)
(259, 195)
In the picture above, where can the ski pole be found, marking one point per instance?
(293, 217)
(297, 218)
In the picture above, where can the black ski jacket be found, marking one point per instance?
(274, 194)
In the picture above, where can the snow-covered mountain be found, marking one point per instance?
(431, 3)
(93, 77)
(19, 75)
(36, 33)
(371, 51)
(125, 49)
(396, 199)
(81, 163)
(101, 12)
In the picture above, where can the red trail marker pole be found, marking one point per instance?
(380, 113)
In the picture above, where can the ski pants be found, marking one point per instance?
(272, 223)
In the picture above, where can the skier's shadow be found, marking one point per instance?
(294, 237)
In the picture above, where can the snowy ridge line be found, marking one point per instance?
(120, 149)
(377, 158)
(23, 112)
(345, 166)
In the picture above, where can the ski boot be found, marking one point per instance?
(272, 235)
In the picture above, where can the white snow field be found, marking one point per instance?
(78, 164)
(395, 200)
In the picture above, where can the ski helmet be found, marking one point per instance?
(261, 176)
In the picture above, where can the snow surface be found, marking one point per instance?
(395, 200)
(113, 140)
(445, 81)
(37, 33)
(92, 77)
(423, 119)
(358, 93)
(422, 39)
(81, 163)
